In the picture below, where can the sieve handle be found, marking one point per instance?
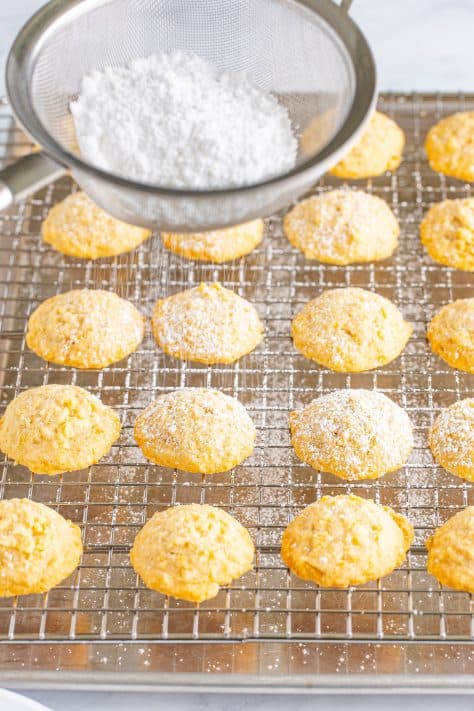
(27, 175)
(346, 5)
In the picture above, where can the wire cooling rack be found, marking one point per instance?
(290, 626)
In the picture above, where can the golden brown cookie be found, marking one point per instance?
(217, 246)
(354, 434)
(54, 429)
(190, 551)
(450, 146)
(447, 231)
(379, 149)
(451, 334)
(350, 330)
(199, 431)
(451, 552)
(38, 547)
(208, 324)
(343, 227)
(451, 439)
(78, 227)
(85, 328)
(345, 540)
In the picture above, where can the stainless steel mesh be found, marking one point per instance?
(103, 600)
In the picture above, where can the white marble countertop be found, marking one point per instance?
(422, 45)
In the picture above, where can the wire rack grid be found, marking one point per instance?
(104, 600)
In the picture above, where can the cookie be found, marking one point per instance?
(345, 540)
(190, 551)
(451, 552)
(450, 146)
(451, 334)
(343, 227)
(199, 431)
(85, 328)
(379, 149)
(78, 227)
(38, 547)
(208, 324)
(451, 439)
(350, 330)
(54, 429)
(354, 434)
(447, 232)
(217, 246)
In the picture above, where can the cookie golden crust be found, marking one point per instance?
(199, 431)
(38, 547)
(451, 439)
(190, 551)
(450, 146)
(57, 428)
(85, 328)
(217, 246)
(451, 334)
(451, 552)
(208, 324)
(345, 540)
(78, 227)
(350, 330)
(354, 434)
(379, 149)
(343, 227)
(447, 232)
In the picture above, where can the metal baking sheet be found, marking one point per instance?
(269, 630)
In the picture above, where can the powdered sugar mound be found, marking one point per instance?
(174, 120)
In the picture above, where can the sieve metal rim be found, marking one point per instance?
(27, 44)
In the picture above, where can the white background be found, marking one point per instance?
(423, 45)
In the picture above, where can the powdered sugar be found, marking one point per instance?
(172, 119)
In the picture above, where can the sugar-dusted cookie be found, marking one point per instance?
(217, 246)
(451, 334)
(345, 540)
(379, 149)
(449, 146)
(38, 547)
(354, 434)
(54, 429)
(190, 551)
(78, 227)
(343, 227)
(451, 552)
(451, 439)
(350, 330)
(199, 431)
(208, 324)
(85, 328)
(447, 232)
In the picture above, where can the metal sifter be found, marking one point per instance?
(309, 53)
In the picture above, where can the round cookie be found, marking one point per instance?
(451, 552)
(447, 232)
(343, 227)
(54, 429)
(217, 246)
(345, 540)
(451, 439)
(451, 334)
(379, 149)
(190, 551)
(85, 328)
(38, 547)
(199, 431)
(450, 146)
(208, 324)
(354, 434)
(78, 227)
(350, 330)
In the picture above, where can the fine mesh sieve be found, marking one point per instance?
(307, 52)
